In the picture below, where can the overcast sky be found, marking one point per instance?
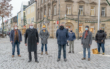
(16, 6)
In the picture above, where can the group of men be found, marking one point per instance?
(63, 37)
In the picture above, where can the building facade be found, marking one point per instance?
(67, 12)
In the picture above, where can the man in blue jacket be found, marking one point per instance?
(15, 38)
(62, 36)
(71, 39)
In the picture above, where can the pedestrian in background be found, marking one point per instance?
(15, 38)
(86, 41)
(67, 31)
(71, 39)
(100, 39)
(62, 36)
(44, 35)
(33, 41)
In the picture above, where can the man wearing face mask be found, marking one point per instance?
(100, 39)
(86, 41)
(71, 39)
(44, 34)
(33, 40)
(62, 36)
(15, 38)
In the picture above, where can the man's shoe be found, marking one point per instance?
(58, 60)
(69, 52)
(46, 53)
(65, 60)
(12, 56)
(83, 58)
(88, 59)
(19, 55)
(41, 53)
(29, 61)
(37, 61)
(102, 53)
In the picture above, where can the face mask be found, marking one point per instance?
(86, 29)
(31, 27)
(16, 27)
(71, 31)
(43, 28)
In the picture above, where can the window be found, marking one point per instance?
(49, 11)
(103, 11)
(28, 20)
(80, 10)
(42, 1)
(92, 11)
(69, 10)
(55, 10)
(45, 12)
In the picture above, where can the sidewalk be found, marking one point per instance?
(50, 61)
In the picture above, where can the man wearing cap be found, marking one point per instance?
(62, 36)
(33, 41)
(44, 35)
(86, 41)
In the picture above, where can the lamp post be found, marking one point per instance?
(78, 24)
(59, 12)
(98, 14)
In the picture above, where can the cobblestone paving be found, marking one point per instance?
(49, 61)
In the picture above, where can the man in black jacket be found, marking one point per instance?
(100, 39)
(33, 41)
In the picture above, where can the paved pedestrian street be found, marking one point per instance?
(50, 61)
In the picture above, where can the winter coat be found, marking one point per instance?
(44, 36)
(12, 34)
(33, 39)
(71, 36)
(62, 36)
(86, 41)
(100, 36)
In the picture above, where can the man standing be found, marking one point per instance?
(33, 41)
(71, 39)
(62, 36)
(44, 34)
(100, 39)
(15, 38)
(86, 41)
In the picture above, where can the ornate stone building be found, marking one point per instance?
(68, 12)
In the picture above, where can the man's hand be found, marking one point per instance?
(101, 40)
(89, 45)
(37, 43)
(81, 44)
(96, 41)
(25, 44)
(20, 41)
(11, 41)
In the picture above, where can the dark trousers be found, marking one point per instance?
(35, 55)
(13, 48)
(101, 45)
(59, 51)
(45, 47)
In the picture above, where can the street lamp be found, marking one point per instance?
(98, 14)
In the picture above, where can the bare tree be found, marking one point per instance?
(5, 10)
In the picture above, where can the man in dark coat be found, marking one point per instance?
(100, 39)
(62, 36)
(15, 38)
(86, 41)
(33, 41)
